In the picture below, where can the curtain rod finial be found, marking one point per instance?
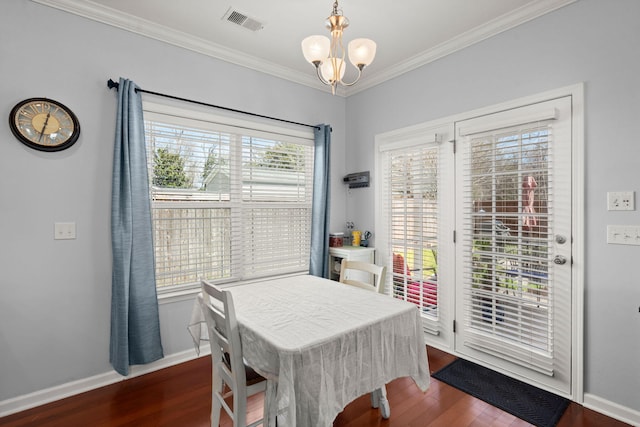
(111, 84)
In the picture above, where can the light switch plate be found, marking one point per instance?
(620, 200)
(623, 234)
(64, 231)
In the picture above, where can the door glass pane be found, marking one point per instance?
(509, 189)
(414, 227)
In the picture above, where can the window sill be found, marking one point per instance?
(188, 294)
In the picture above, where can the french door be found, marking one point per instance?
(475, 218)
(513, 281)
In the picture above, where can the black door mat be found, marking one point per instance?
(531, 404)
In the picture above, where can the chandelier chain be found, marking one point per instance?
(335, 9)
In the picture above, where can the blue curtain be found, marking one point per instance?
(135, 323)
(319, 262)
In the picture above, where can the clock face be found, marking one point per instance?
(44, 124)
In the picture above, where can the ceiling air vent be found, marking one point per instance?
(243, 20)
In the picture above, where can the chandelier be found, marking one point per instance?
(328, 56)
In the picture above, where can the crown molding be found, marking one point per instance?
(496, 26)
(109, 16)
(106, 15)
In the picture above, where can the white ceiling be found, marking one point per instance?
(409, 33)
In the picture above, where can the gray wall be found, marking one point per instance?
(55, 295)
(591, 41)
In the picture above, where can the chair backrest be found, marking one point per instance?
(228, 365)
(226, 348)
(378, 272)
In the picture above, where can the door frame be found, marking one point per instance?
(576, 92)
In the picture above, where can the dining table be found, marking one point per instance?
(321, 344)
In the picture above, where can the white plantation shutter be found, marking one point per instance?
(229, 202)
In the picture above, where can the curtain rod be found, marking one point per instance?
(111, 84)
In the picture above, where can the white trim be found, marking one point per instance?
(612, 409)
(522, 116)
(575, 90)
(106, 15)
(52, 394)
(196, 114)
(578, 230)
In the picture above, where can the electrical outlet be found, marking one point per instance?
(621, 201)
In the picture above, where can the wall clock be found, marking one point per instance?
(44, 124)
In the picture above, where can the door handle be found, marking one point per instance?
(560, 260)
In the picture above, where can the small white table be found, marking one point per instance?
(324, 344)
(350, 253)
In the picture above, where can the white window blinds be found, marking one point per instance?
(410, 213)
(228, 202)
(276, 205)
(507, 189)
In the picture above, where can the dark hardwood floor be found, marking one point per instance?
(179, 396)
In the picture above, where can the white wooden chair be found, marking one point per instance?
(379, 396)
(378, 272)
(228, 366)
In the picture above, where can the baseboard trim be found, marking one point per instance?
(41, 397)
(611, 409)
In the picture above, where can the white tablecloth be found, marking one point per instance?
(325, 343)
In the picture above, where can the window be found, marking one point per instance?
(230, 200)
(507, 192)
(412, 176)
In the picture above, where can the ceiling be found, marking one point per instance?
(409, 33)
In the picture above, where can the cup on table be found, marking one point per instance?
(355, 237)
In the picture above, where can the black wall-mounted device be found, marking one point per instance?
(357, 180)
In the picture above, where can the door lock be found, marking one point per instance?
(560, 239)
(560, 260)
